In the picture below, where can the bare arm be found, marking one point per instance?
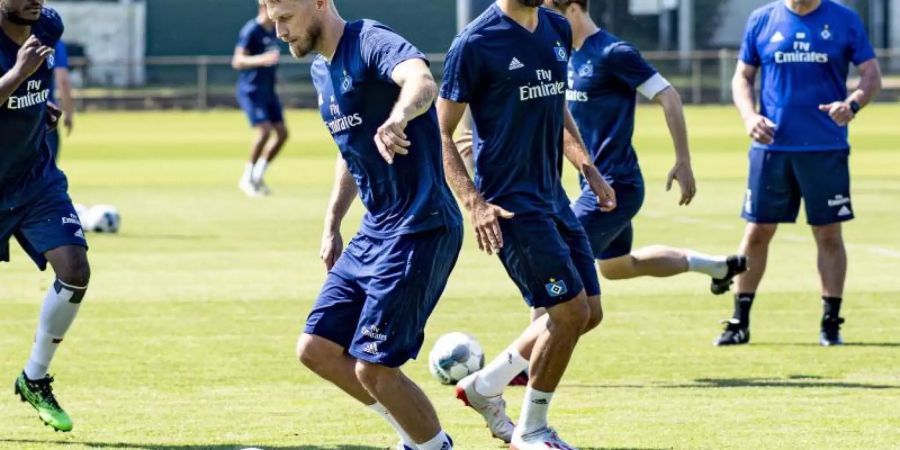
(485, 217)
(241, 60)
(417, 93)
(342, 194)
(841, 112)
(66, 102)
(759, 128)
(673, 108)
(576, 152)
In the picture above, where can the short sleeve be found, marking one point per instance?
(383, 49)
(61, 55)
(749, 53)
(626, 63)
(245, 38)
(460, 71)
(860, 47)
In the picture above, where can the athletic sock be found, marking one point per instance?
(714, 266)
(742, 304)
(383, 412)
(439, 442)
(60, 307)
(495, 376)
(248, 173)
(831, 306)
(534, 411)
(259, 170)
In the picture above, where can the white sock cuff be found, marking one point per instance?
(378, 408)
(440, 442)
(534, 394)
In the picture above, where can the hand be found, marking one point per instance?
(485, 219)
(606, 195)
(69, 123)
(840, 112)
(683, 173)
(332, 247)
(391, 138)
(760, 129)
(53, 114)
(30, 57)
(269, 59)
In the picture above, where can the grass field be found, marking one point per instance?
(186, 338)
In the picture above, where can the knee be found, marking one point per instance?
(571, 316)
(77, 273)
(371, 376)
(760, 234)
(281, 134)
(829, 238)
(263, 132)
(311, 354)
(596, 314)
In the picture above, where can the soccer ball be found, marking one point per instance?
(103, 219)
(454, 357)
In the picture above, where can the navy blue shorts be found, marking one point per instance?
(611, 233)
(53, 142)
(380, 293)
(261, 109)
(779, 179)
(47, 222)
(549, 258)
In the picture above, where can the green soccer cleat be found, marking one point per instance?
(40, 395)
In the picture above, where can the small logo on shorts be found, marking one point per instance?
(373, 332)
(844, 211)
(838, 200)
(371, 348)
(71, 220)
(748, 202)
(556, 288)
(79, 233)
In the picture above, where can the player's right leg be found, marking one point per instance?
(279, 136)
(258, 116)
(49, 231)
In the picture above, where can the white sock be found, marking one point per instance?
(248, 172)
(59, 310)
(259, 170)
(714, 266)
(534, 411)
(383, 412)
(439, 442)
(495, 376)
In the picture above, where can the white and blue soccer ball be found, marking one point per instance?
(455, 356)
(103, 219)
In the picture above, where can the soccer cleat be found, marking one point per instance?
(543, 439)
(520, 380)
(493, 409)
(830, 335)
(39, 394)
(735, 334)
(262, 189)
(737, 264)
(248, 188)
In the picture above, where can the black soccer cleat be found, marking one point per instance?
(737, 264)
(830, 334)
(736, 333)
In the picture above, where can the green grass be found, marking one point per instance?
(186, 338)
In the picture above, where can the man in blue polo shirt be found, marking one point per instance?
(256, 56)
(804, 49)
(34, 204)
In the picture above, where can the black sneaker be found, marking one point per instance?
(735, 334)
(737, 264)
(831, 331)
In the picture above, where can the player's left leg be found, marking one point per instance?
(832, 263)
(273, 147)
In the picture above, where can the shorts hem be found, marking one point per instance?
(372, 359)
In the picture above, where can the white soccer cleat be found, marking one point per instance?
(493, 409)
(248, 188)
(543, 439)
(263, 189)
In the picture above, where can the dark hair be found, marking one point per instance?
(563, 4)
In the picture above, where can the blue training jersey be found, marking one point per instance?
(60, 61)
(255, 39)
(356, 96)
(514, 83)
(605, 75)
(804, 62)
(26, 163)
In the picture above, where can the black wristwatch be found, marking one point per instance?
(855, 106)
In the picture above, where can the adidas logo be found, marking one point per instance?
(371, 348)
(844, 211)
(777, 37)
(79, 233)
(515, 64)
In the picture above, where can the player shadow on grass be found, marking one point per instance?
(792, 381)
(813, 344)
(131, 446)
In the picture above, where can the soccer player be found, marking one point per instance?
(256, 57)
(800, 150)
(605, 76)
(61, 93)
(509, 67)
(376, 97)
(34, 205)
